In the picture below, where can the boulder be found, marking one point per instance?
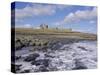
(17, 57)
(31, 57)
(17, 67)
(25, 71)
(44, 62)
(48, 55)
(43, 69)
(79, 65)
(83, 48)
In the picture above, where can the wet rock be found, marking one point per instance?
(24, 42)
(43, 69)
(25, 71)
(29, 43)
(17, 57)
(79, 65)
(18, 45)
(53, 69)
(54, 46)
(48, 55)
(37, 48)
(79, 68)
(95, 59)
(83, 48)
(44, 62)
(44, 48)
(16, 66)
(31, 57)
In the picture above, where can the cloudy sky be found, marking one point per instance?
(79, 18)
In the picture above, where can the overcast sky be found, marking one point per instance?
(79, 18)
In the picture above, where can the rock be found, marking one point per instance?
(43, 69)
(18, 45)
(83, 48)
(51, 68)
(44, 62)
(31, 57)
(33, 44)
(17, 57)
(24, 42)
(79, 65)
(79, 68)
(48, 55)
(38, 43)
(44, 43)
(44, 48)
(25, 71)
(54, 45)
(36, 48)
(17, 66)
(29, 42)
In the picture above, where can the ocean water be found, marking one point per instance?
(73, 56)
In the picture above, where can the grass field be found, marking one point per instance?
(54, 33)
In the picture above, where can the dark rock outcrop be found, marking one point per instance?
(16, 67)
(43, 69)
(83, 48)
(44, 62)
(48, 55)
(79, 65)
(31, 57)
(17, 57)
(25, 71)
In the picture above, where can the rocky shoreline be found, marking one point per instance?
(58, 55)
